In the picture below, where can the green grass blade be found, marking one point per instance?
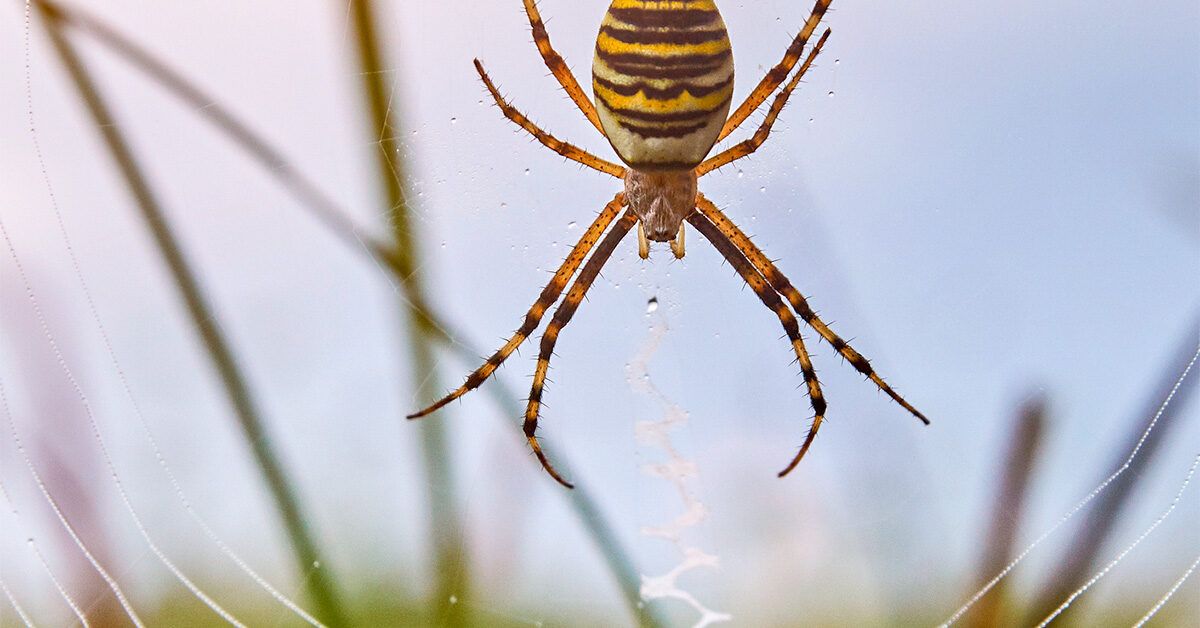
(319, 580)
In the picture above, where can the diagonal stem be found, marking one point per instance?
(318, 576)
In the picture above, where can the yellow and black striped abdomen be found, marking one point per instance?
(663, 80)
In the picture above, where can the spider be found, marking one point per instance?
(663, 82)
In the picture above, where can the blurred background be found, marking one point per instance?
(999, 202)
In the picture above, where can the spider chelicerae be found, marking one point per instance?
(663, 82)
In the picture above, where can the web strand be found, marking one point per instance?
(17, 605)
(1107, 568)
(1082, 503)
(62, 519)
(69, 374)
(675, 470)
(1170, 592)
(120, 371)
(37, 552)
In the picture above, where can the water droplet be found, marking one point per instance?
(503, 205)
(527, 172)
(837, 61)
(830, 94)
(652, 305)
(741, 173)
(453, 120)
(454, 599)
(571, 225)
(763, 189)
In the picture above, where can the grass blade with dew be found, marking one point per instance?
(317, 576)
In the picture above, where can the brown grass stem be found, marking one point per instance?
(1080, 558)
(1024, 443)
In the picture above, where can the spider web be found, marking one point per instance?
(486, 202)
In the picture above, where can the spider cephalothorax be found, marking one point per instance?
(663, 82)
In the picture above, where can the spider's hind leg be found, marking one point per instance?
(562, 316)
(771, 299)
(779, 282)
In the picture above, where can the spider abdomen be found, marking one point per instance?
(663, 81)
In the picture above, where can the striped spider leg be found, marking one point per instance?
(662, 78)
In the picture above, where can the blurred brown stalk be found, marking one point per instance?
(1009, 509)
(1080, 559)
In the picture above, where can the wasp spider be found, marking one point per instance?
(663, 82)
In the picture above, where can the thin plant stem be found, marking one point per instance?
(316, 574)
(322, 207)
(451, 568)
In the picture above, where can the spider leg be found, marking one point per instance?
(569, 151)
(778, 74)
(558, 67)
(534, 316)
(770, 298)
(780, 283)
(747, 147)
(562, 316)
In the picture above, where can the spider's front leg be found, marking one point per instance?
(778, 74)
(534, 316)
(562, 316)
(558, 67)
(747, 147)
(570, 151)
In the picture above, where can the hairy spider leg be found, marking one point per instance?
(778, 74)
(569, 151)
(770, 298)
(558, 67)
(747, 147)
(534, 316)
(562, 316)
(781, 283)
